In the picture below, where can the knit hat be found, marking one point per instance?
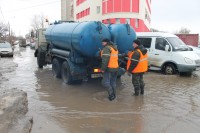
(105, 40)
(137, 42)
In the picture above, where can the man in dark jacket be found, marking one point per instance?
(137, 65)
(109, 67)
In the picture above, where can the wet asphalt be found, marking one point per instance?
(171, 104)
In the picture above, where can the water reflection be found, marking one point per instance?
(85, 108)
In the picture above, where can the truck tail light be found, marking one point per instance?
(97, 70)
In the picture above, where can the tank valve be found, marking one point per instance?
(99, 28)
(128, 29)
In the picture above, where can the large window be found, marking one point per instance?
(161, 43)
(117, 21)
(128, 21)
(98, 9)
(108, 21)
(146, 42)
(177, 44)
(136, 23)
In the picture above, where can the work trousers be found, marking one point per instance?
(109, 81)
(138, 83)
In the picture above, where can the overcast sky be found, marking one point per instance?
(167, 15)
(19, 13)
(171, 15)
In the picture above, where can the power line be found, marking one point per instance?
(33, 6)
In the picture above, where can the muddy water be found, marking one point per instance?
(171, 104)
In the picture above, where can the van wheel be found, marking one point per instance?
(66, 74)
(56, 68)
(169, 69)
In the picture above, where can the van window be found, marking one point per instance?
(146, 42)
(161, 43)
(177, 44)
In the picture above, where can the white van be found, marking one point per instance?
(168, 53)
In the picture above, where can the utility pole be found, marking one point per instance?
(9, 38)
(9, 28)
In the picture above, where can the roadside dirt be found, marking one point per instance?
(13, 103)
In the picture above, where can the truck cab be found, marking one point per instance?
(41, 47)
(40, 37)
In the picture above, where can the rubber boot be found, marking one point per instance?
(142, 90)
(111, 95)
(137, 93)
(114, 92)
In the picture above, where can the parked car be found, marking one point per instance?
(6, 49)
(195, 49)
(168, 53)
(22, 42)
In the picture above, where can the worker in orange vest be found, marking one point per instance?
(109, 67)
(137, 65)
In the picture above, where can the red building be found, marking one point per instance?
(135, 12)
(189, 39)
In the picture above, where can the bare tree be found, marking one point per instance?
(3, 29)
(184, 30)
(37, 22)
(27, 35)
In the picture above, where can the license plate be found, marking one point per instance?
(96, 75)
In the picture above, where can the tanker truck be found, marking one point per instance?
(72, 48)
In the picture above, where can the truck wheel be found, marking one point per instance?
(56, 68)
(66, 75)
(169, 69)
(40, 59)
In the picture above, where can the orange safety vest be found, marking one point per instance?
(113, 62)
(142, 65)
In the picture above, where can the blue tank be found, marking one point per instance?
(123, 35)
(84, 37)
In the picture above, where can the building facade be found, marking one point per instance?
(137, 13)
(67, 10)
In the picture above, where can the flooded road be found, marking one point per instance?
(171, 104)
